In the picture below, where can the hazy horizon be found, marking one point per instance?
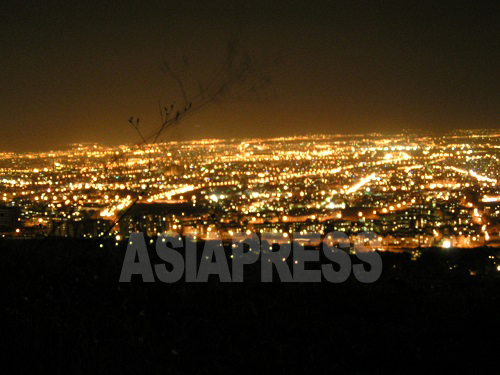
(77, 72)
(137, 141)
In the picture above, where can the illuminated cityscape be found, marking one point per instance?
(281, 187)
(412, 190)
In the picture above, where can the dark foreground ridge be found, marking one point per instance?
(64, 310)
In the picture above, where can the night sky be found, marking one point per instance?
(77, 72)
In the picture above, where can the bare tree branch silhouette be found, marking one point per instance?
(236, 70)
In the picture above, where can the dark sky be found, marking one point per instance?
(76, 71)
